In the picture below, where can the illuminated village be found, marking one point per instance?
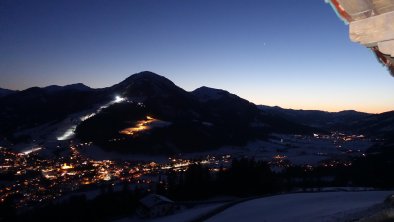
(36, 180)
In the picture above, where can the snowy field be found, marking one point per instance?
(304, 207)
(301, 151)
(298, 151)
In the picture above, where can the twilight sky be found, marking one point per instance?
(291, 53)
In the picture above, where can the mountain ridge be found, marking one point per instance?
(201, 119)
(318, 118)
(6, 92)
(195, 124)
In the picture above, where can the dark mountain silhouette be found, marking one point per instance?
(225, 104)
(196, 123)
(203, 119)
(205, 94)
(148, 85)
(227, 107)
(36, 106)
(5, 92)
(343, 120)
(161, 95)
(378, 125)
(73, 87)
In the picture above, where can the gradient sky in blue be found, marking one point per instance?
(291, 53)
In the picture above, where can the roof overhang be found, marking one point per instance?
(371, 23)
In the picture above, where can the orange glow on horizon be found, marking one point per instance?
(333, 108)
(328, 104)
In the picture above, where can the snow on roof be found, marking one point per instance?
(152, 200)
(371, 23)
(354, 10)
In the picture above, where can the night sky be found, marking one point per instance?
(291, 53)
